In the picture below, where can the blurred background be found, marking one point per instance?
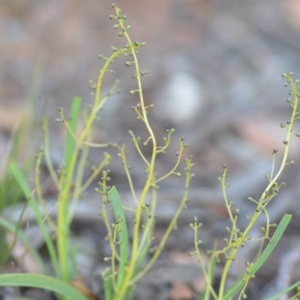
(209, 61)
(214, 74)
(214, 69)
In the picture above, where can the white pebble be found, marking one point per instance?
(180, 100)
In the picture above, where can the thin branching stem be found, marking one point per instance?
(267, 194)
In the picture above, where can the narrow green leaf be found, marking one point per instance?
(296, 285)
(20, 178)
(42, 282)
(115, 199)
(9, 226)
(108, 284)
(284, 222)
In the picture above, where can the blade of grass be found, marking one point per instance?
(115, 199)
(284, 222)
(42, 282)
(9, 226)
(20, 178)
(285, 291)
(108, 284)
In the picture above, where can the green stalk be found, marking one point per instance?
(266, 197)
(150, 172)
(66, 180)
(284, 222)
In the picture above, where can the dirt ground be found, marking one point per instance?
(214, 73)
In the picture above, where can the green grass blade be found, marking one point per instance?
(108, 284)
(115, 199)
(296, 285)
(284, 222)
(70, 141)
(9, 226)
(42, 282)
(16, 171)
